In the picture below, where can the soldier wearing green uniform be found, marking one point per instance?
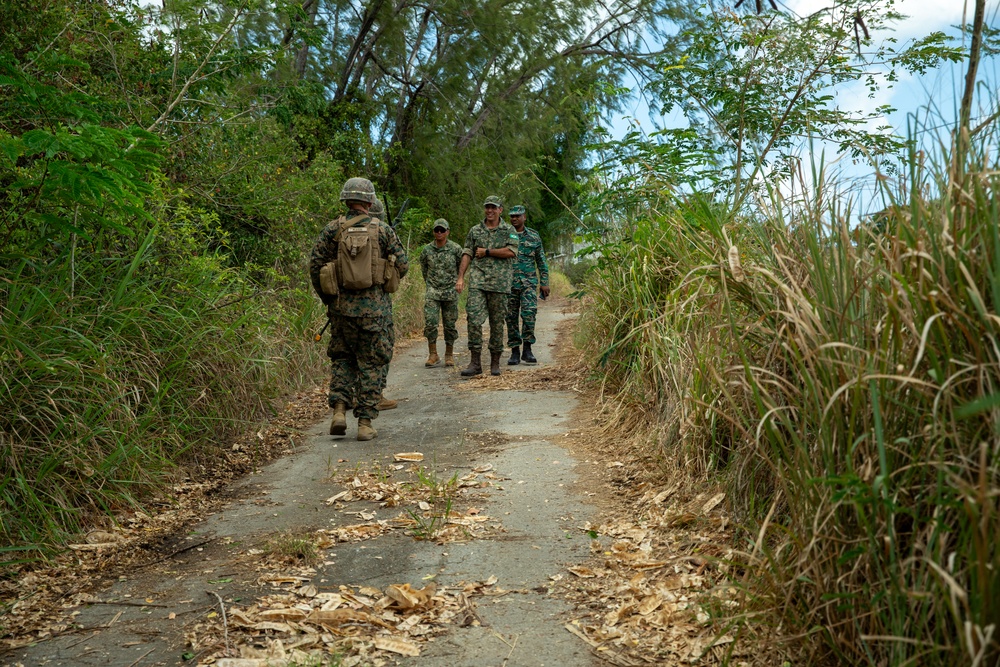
(488, 256)
(439, 262)
(361, 330)
(530, 269)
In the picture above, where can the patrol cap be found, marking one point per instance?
(493, 200)
(440, 222)
(517, 210)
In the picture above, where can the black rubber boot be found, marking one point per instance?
(475, 366)
(528, 357)
(495, 363)
(515, 356)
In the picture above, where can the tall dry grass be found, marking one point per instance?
(115, 366)
(408, 301)
(842, 381)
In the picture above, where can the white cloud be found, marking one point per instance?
(923, 17)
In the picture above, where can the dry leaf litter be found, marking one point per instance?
(38, 600)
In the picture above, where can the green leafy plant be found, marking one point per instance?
(429, 524)
(440, 496)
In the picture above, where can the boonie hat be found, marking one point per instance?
(440, 222)
(493, 200)
(517, 210)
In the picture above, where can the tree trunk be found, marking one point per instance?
(963, 134)
(970, 73)
(302, 57)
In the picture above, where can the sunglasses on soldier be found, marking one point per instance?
(440, 230)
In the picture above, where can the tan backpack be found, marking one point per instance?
(358, 265)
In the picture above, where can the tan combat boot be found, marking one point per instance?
(365, 430)
(386, 404)
(494, 363)
(449, 354)
(432, 355)
(475, 366)
(339, 424)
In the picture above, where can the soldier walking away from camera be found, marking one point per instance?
(356, 263)
(530, 269)
(488, 256)
(439, 262)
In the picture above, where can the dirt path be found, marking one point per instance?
(342, 546)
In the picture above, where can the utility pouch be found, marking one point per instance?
(391, 275)
(328, 279)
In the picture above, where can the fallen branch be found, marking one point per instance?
(225, 624)
(175, 553)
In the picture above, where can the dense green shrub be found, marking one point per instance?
(577, 271)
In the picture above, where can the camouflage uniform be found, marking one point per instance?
(440, 269)
(530, 267)
(489, 281)
(361, 331)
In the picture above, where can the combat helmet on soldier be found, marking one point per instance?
(377, 209)
(358, 189)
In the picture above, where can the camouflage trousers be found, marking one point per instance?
(480, 306)
(523, 302)
(448, 311)
(360, 350)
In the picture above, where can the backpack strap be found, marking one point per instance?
(377, 276)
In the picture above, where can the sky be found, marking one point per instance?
(940, 89)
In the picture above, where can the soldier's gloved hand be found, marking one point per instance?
(544, 292)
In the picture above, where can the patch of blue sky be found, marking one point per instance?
(926, 106)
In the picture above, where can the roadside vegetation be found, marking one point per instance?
(165, 169)
(837, 373)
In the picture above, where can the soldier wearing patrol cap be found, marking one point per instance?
(361, 329)
(488, 255)
(439, 262)
(530, 268)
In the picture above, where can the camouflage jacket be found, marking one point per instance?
(370, 302)
(440, 269)
(490, 274)
(530, 266)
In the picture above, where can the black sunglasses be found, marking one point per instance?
(440, 230)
